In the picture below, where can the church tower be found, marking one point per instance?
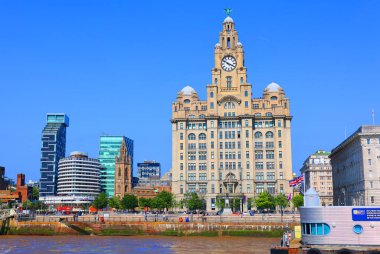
(123, 172)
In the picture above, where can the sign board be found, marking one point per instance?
(366, 214)
(297, 232)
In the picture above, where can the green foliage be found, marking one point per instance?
(192, 201)
(250, 203)
(35, 193)
(164, 200)
(114, 202)
(236, 204)
(145, 202)
(35, 205)
(220, 203)
(281, 200)
(265, 201)
(129, 202)
(100, 201)
(297, 201)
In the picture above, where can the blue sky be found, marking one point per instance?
(115, 67)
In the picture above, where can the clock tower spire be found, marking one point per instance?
(229, 76)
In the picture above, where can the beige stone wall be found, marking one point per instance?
(230, 110)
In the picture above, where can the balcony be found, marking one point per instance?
(227, 89)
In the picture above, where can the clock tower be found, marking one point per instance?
(229, 76)
(231, 145)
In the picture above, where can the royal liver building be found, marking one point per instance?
(230, 144)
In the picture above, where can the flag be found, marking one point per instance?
(289, 196)
(296, 181)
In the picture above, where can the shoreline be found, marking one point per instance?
(191, 229)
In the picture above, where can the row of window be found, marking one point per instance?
(233, 165)
(260, 187)
(258, 176)
(230, 135)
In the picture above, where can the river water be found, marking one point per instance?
(134, 244)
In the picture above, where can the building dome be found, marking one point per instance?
(188, 90)
(239, 44)
(217, 45)
(273, 87)
(228, 20)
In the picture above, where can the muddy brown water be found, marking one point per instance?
(134, 244)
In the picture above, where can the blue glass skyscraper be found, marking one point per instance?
(53, 149)
(108, 150)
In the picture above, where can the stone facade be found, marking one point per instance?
(231, 144)
(356, 168)
(123, 172)
(318, 175)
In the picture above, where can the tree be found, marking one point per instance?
(145, 202)
(35, 193)
(220, 203)
(297, 201)
(281, 200)
(192, 201)
(164, 200)
(129, 202)
(100, 201)
(236, 204)
(114, 202)
(265, 201)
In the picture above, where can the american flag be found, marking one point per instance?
(296, 181)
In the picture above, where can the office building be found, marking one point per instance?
(231, 144)
(318, 175)
(3, 183)
(148, 169)
(78, 175)
(123, 172)
(356, 168)
(109, 148)
(53, 149)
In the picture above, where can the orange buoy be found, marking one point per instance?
(180, 219)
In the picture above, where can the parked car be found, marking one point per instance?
(220, 212)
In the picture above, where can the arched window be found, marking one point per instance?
(257, 114)
(229, 105)
(258, 134)
(192, 136)
(202, 136)
(216, 81)
(269, 134)
(202, 116)
(273, 98)
(191, 116)
(268, 114)
(187, 101)
(241, 80)
(211, 94)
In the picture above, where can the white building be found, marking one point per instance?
(78, 175)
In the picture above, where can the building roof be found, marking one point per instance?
(363, 130)
(188, 90)
(273, 87)
(321, 152)
(228, 19)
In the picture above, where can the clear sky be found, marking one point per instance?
(115, 67)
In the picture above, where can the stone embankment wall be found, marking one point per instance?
(148, 228)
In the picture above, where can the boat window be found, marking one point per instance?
(315, 229)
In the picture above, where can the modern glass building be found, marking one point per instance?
(108, 150)
(148, 169)
(53, 149)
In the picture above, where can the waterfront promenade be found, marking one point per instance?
(257, 218)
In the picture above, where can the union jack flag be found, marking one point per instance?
(296, 181)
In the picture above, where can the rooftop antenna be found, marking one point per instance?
(373, 117)
(345, 132)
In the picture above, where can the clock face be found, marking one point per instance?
(228, 63)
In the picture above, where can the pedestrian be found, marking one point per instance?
(146, 217)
